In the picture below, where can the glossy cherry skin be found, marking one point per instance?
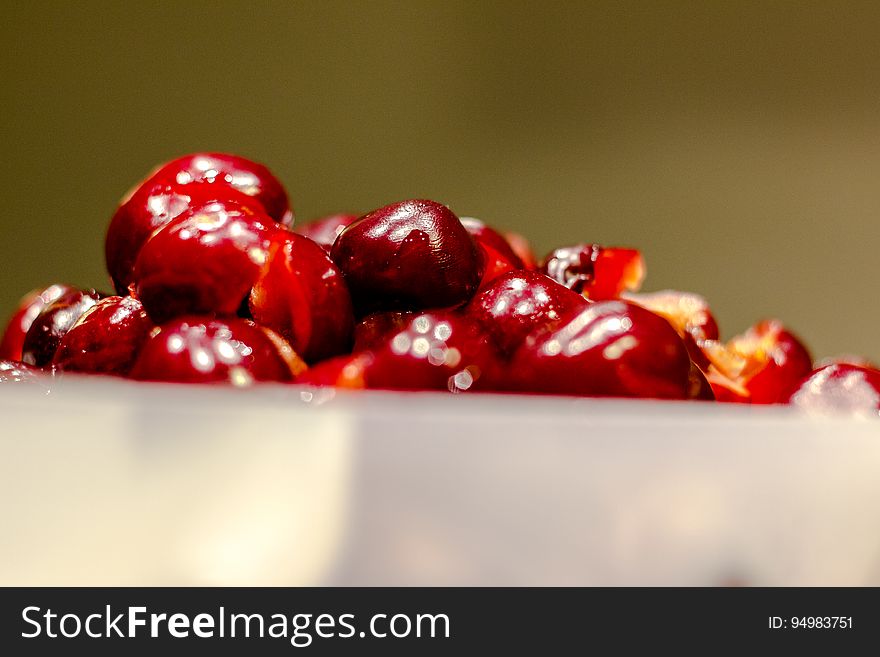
(325, 230)
(53, 323)
(439, 350)
(205, 350)
(485, 234)
(516, 304)
(598, 272)
(302, 296)
(31, 305)
(151, 206)
(688, 313)
(225, 171)
(13, 371)
(375, 330)
(411, 255)
(839, 388)
(205, 261)
(611, 348)
(106, 339)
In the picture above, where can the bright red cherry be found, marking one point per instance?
(840, 388)
(349, 371)
(611, 348)
(224, 170)
(51, 325)
(519, 302)
(325, 230)
(205, 350)
(597, 272)
(205, 261)
(147, 209)
(485, 234)
(302, 296)
(31, 305)
(375, 330)
(106, 338)
(411, 255)
(761, 366)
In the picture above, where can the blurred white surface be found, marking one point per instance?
(107, 482)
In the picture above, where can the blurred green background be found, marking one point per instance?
(737, 144)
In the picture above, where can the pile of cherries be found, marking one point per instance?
(214, 285)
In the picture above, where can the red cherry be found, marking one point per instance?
(205, 350)
(761, 366)
(611, 348)
(375, 330)
(436, 351)
(325, 230)
(688, 313)
(13, 371)
(302, 296)
(151, 206)
(522, 249)
(410, 255)
(519, 302)
(106, 338)
(224, 170)
(840, 387)
(699, 387)
(597, 272)
(484, 234)
(31, 305)
(349, 371)
(51, 325)
(205, 261)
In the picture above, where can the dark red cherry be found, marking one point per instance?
(302, 296)
(519, 302)
(699, 387)
(205, 350)
(840, 388)
(225, 170)
(487, 235)
(31, 305)
(205, 261)
(151, 206)
(375, 330)
(410, 255)
(51, 325)
(13, 371)
(106, 338)
(325, 230)
(610, 348)
(597, 272)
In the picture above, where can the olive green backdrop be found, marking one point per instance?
(737, 144)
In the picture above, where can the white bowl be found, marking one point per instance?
(108, 482)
